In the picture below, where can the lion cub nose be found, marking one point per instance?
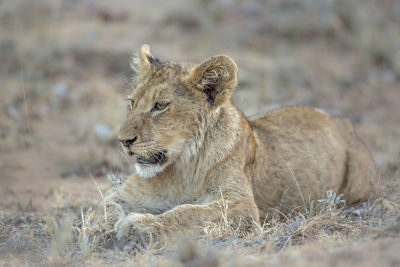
(128, 142)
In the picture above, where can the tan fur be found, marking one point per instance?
(215, 156)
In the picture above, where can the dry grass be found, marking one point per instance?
(60, 238)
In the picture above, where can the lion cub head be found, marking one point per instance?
(170, 108)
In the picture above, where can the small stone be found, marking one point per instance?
(14, 112)
(356, 212)
(102, 131)
(60, 93)
(60, 89)
(333, 159)
(388, 76)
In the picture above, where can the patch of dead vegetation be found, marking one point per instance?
(60, 237)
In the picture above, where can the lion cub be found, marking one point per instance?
(196, 155)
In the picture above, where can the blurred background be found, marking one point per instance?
(64, 74)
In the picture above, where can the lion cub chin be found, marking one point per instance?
(148, 171)
(210, 165)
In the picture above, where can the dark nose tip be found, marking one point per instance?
(128, 142)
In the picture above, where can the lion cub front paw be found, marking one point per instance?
(141, 229)
(124, 225)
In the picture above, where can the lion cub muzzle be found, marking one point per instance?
(128, 142)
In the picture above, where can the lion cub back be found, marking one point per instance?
(301, 153)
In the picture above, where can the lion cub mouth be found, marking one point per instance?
(157, 158)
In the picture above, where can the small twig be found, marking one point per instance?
(284, 245)
(20, 214)
(297, 183)
(102, 198)
(312, 223)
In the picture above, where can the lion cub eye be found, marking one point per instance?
(159, 106)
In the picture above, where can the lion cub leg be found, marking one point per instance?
(360, 178)
(186, 219)
(106, 215)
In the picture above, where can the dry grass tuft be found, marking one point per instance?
(22, 235)
(61, 237)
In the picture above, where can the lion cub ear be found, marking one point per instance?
(143, 60)
(216, 77)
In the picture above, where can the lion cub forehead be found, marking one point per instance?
(160, 82)
(152, 92)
